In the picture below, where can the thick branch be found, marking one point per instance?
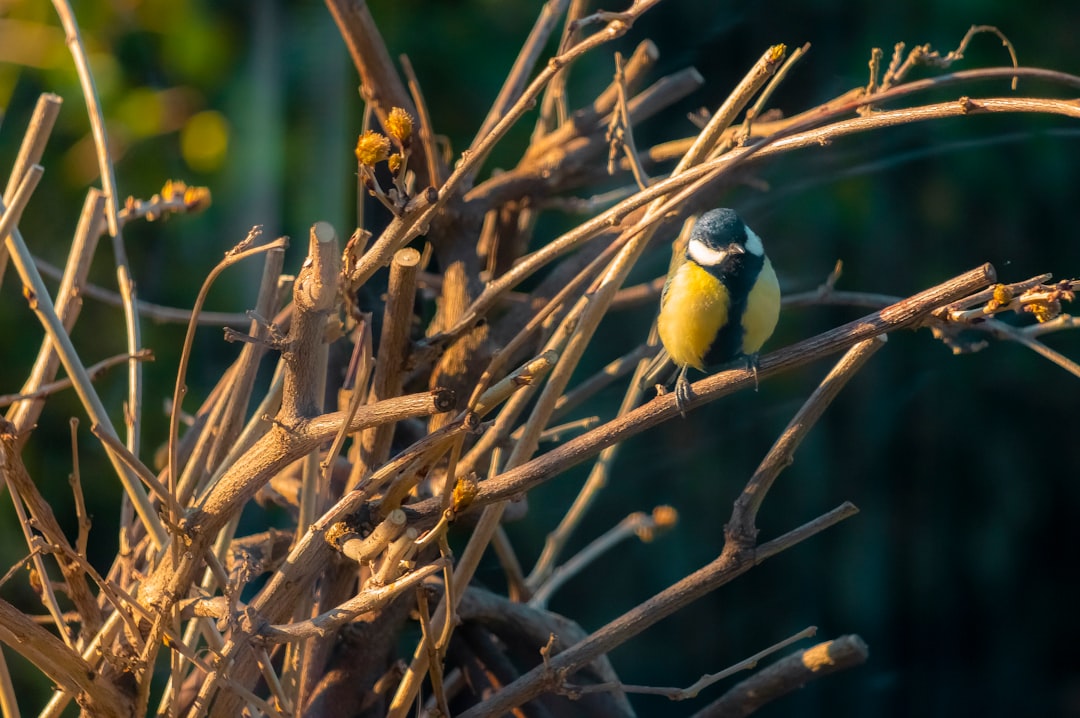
(897, 316)
(59, 663)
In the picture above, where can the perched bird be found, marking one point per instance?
(721, 300)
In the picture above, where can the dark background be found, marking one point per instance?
(959, 572)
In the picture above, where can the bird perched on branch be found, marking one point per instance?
(721, 300)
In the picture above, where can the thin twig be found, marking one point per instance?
(741, 528)
(368, 600)
(112, 211)
(149, 310)
(42, 306)
(434, 660)
(1005, 331)
(81, 514)
(692, 691)
(725, 568)
(95, 371)
(620, 134)
(185, 355)
(636, 524)
(518, 75)
(787, 675)
(30, 152)
(415, 219)
(426, 132)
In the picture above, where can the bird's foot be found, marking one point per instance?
(683, 394)
(752, 366)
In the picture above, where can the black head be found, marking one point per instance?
(724, 246)
(719, 228)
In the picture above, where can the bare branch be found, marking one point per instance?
(787, 675)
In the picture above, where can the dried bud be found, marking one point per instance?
(196, 199)
(1045, 311)
(1002, 296)
(338, 533)
(399, 125)
(172, 189)
(372, 148)
(394, 162)
(465, 491)
(665, 517)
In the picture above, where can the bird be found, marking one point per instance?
(721, 299)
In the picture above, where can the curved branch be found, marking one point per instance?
(897, 316)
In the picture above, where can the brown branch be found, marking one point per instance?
(309, 556)
(96, 371)
(692, 691)
(68, 304)
(589, 119)
(897, 316)
(787, 675)
(382, 86)
(25, 490)
(417, 216)
(366, 601)
(523, 66)
(741, 528)
(154, 312)
(731, 564)
(30, 151)
(237, 254)
(61, 664)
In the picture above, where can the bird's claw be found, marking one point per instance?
(682, 393)
(752, 367)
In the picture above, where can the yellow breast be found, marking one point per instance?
(694, 308)
(762, 310)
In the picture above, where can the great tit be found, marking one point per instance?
(721, 299)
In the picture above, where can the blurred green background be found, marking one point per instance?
(961, 570)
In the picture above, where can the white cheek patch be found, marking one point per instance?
(753, 244)
(704, 255)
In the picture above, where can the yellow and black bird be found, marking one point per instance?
(721, 300)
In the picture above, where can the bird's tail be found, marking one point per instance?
(660, 371)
